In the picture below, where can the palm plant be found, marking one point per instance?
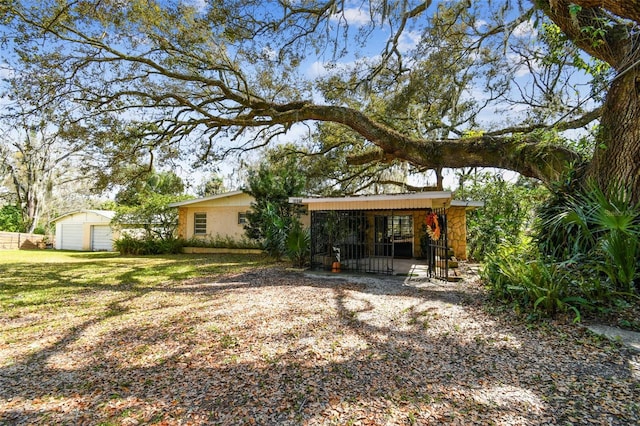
(602, 229)
(298, 244)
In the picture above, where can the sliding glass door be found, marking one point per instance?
(394, 236)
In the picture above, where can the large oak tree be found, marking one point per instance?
(226, 76)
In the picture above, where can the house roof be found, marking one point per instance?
(378, 202)
(470, 205)
(205, 199)
(109, 214)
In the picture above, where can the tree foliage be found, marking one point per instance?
(169, 77)
(144, 205)
(11, 219)
(212, 185)
(160, 183)
(39, 162)
(507, 214)
(272, 215)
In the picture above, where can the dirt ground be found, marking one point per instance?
(279, 347)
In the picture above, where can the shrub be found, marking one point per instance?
(587, 253)
(129, 245)
(600, 229)
(219, 241)
(518, 273)
(299, 245)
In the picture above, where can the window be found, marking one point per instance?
(199, 223)
(242, 218)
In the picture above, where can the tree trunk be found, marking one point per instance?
(617, 159)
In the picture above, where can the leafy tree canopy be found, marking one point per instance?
(211, 185)
(434, 84)
(40, 162)
(144, 204)
(11, 219)
(161, 183)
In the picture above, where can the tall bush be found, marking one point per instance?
(272, 216)
(520, 274)
(597, 228)
(508, 211)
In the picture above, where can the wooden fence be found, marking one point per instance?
(19, 240)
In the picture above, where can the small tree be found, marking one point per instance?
(211, 185)
(153, 214)
(273, 216)
(508, 210)
(145, 205)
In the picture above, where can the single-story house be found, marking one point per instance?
(364, 232)
(85, 230)
(218, 215)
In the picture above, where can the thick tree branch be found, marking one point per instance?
(525, 156)
(560, 126)
(624, 9)
(593, 29)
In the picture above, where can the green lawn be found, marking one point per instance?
(36, 280)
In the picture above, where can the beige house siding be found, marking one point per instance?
(221, 212)
(305, 219)
(221, 221)
(182, 222)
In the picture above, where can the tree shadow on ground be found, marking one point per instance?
(272, 347)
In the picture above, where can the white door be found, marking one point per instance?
(101, 238)
(71, 234)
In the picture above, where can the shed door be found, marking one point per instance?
(71, 235)
(101, 238)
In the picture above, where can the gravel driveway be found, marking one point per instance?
(275, 347)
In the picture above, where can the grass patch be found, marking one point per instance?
(33, 281)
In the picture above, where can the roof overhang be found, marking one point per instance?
(109, 214)
(418, 200)
(205, 199)
(467, 204)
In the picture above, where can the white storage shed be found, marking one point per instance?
(85, 230)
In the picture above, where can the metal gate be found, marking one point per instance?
(435, 246)
(360, 241)
(339, 238)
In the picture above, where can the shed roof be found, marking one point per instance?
(470, 205)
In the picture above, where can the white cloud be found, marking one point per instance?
(269, 54)
(317, 69)
(354, 16)
(480, 23)
(525, 29)
(409, 40)
(199, 5)
(6, 71)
